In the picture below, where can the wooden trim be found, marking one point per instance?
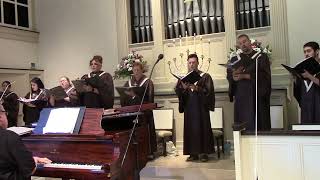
(20, 69)
(19, 34)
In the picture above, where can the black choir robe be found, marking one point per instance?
(197, 135)
(74, 99)
(16, 162)
(11, 105)
(105, 97)
(309, 100)
(149, 98)
(32, 114)
(244, 91)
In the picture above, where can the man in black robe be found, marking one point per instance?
(100, 90)
(307, 90)
(242, 80)
(16, 162)
(135, 97)
(195, 101)
(10, 103)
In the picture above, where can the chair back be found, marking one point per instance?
(163, 119)
(216, 118)
(276, 113)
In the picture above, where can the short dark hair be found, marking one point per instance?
(97, 58)
(193, 56)
(243, 35)
(312, 44)
(7, 82)
(37, 81)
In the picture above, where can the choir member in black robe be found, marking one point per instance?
(242, 77)
(40, 97)
(10, 103)
(72, 99)
(16, 162)
(135, 98)
(195, 101)
(307, 90)
(101, 94)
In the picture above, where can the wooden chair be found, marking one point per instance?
(163, 120)
(216, 119)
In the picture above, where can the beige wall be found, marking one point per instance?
(303, 26)
(17, 53)
(72, 32)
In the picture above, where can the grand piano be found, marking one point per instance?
(98, 150)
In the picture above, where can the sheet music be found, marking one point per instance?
(25, 100)
(20, 130)
(62, 120)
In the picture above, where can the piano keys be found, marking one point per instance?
(76, 151)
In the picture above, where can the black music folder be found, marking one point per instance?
(58, 93)
(136, 89)
(310, 64)
(80, 85)
(95, 81)
(233, 65)
(191, 77)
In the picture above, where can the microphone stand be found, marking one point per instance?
(136, 121)
(256, 122)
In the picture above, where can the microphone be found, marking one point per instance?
(160, 56)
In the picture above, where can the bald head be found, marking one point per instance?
(3, 118)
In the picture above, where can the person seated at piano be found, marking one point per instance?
(100, 94)
(16, 162)
(135, 98)
(10, 103)
(34, 101)
(72, 99)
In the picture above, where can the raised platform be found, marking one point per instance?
(281, 155)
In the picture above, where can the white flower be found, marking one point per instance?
(137, 60)
(118, 66)
(128, 65)
(125, 61)
(257, 49)
(239, 51)
(130, 69)
(233, 54)
(252, 40)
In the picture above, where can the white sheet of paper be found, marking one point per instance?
(20, 130)
(61, 120)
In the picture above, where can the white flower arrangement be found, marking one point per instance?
(124, 68)
(256, 45)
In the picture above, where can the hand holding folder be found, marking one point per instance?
(190, 78)
(58, 93)
(310, 64)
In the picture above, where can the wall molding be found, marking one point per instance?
(19, 34)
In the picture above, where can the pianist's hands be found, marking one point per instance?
(39, 160)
